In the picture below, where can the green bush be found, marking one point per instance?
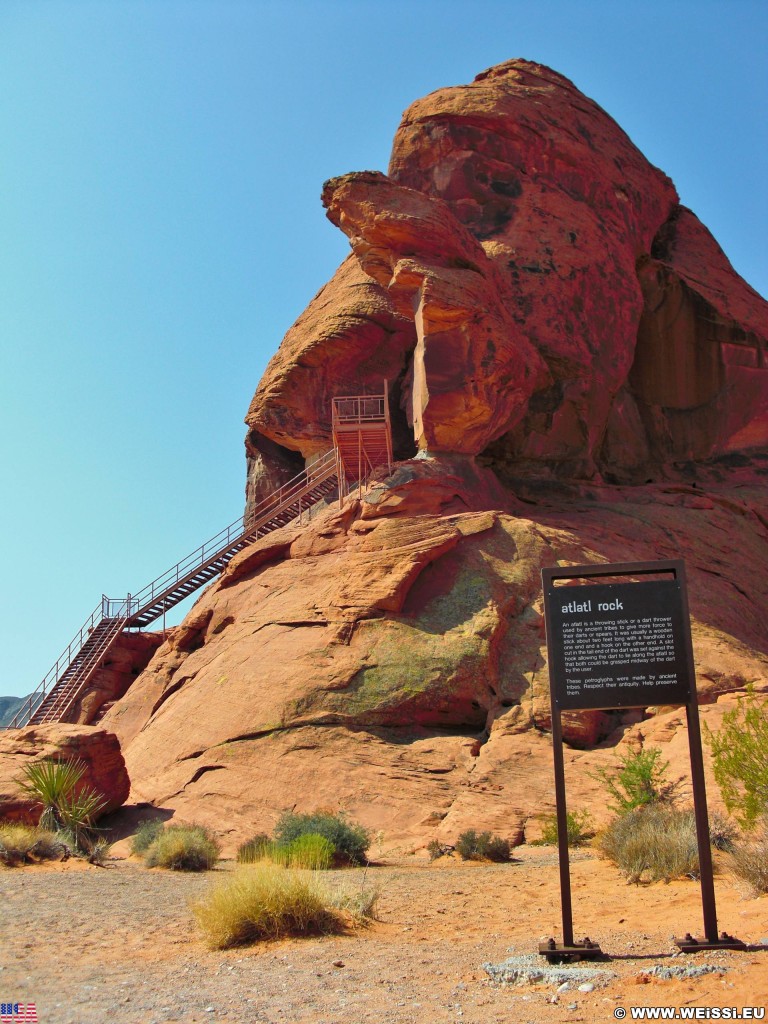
(653, 842)
(639, 779)
(750, 858)
(579, 827)
(350, 841)
(309, 850)
(482, 846)
(740, 758)
(183, 848)
(312, 852)
(261, 901)
(146, 834)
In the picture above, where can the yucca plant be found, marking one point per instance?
(68, 805)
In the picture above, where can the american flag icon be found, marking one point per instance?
(18, 1013)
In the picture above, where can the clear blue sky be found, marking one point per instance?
(161, 228)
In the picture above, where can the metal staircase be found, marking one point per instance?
(66, 681)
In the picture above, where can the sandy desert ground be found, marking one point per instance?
(118, 944)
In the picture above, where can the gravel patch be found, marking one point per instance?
(529, 970)
(684, 971)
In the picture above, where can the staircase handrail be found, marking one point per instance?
(60, 666)
(116, 626)
(218, 546)
(222, 542)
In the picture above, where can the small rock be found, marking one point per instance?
(338, 963)
(587, 987)
(573, 1006)
(564, 987)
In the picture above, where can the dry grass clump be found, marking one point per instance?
(255, 849)
(263, 901)
(750, 859)
(25, 844)
(183, 848)
(653, 842)
(358, 902)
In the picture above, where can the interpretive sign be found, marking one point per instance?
(616, 645)
(623, 645)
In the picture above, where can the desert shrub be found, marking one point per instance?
(722, 833)
(253, 849)
(750, 858)
(740, 758)
(261, 901)
(68, 806)
(183, 848)
(579, 827)
(472, 845)
(23, 844)
(652, 843)
(638, 779)
(146, 834)
(435, 849)
(351, 841)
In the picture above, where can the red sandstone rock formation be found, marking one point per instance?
(548, 317)
(534, 291)
(96, 748)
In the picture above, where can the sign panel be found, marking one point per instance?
(616, 645)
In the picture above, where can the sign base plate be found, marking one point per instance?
(554, 951)
(689, 944)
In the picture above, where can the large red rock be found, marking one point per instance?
(541, 297)
(96, 748)
(576, 375)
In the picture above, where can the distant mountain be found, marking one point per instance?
(8, 708)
